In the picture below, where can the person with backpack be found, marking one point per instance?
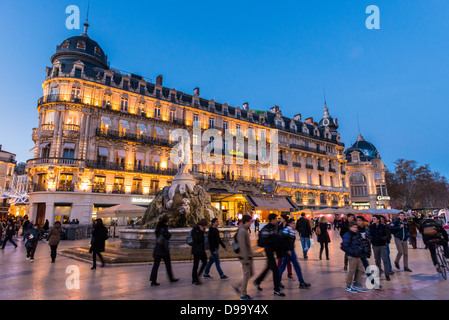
(365, 237)
(162, 251)
(243, 247)
(32, 237)
(434, 234)
(305, 233)
(281, 226)
(323, 236)
(399, 228)
(352, 246)
(379, 235)
(269, 240)
(289, 238)
(198, 250)
(213, 235)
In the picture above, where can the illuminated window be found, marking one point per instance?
(157, 112)
(65, 182)
(72, 118)
(50, 117)
(124, 105)
(99, 184)
(119, 185)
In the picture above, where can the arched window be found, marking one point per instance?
(65, 44)
(357, 177)
(98, 51)
(322, 198)
(311, 197)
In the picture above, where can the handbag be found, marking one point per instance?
(318, 230)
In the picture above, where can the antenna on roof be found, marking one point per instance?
(359, 138)
(86, 24)
(324, 92)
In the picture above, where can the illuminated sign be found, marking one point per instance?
(383, 198)
(236, 153)
(141, 200)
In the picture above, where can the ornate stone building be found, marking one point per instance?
(366, 173)
(7, 165)
(105, 138)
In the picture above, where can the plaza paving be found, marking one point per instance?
(21, 279)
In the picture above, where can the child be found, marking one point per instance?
(351, 245)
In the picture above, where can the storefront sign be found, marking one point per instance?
(383, 198)
(141, 200)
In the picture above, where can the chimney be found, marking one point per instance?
(275, 109)
(159, 80)
(297, 117)
(309, 120)
(246, 106)
(196, 91)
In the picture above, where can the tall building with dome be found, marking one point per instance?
(104, 138)
(366, 173)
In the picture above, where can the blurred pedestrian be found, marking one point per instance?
(198, 250)
(399, 228)
(32, 236)
(305, 233)
(53, 238)
(162, 251)
(98, 242)
(379, 235)
(281, 226)
(323, 236)
(9, 234)
(214, 242)
(345, 228)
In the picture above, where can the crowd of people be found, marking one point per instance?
(360, 240)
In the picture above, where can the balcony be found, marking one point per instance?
(332, 170)
(38, 187)
(116, 135)
(119, 167)
(283, 162)
(96, 189)
(320, 168)
(34, 135)
(304, 148)
(137, 191)
(118, 189)
(297, 164)
(71, 130)
(66, 187)
(55, 161)
(47, 130)
(309, 166)
(343, 171)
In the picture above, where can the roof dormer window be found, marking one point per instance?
(81, 45)
(65, 44)
(98, 51)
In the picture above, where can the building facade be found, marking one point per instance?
(366, 173)
(105, 138)
(7, 165)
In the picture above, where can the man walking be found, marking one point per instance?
(344, 229)
(245, 257)
(399, 227)
(214, 242)
(198, 250)
(10, 232)
(269, 240)
(305, 233)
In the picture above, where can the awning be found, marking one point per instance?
(156, 158)
(43, 145)
(125, 124)
(283, 204)
(106, 121)
(122, 210)
(69, 145)
(139, 156)
(103, 152)
(158, 131)
(142, 127)
(121, 153)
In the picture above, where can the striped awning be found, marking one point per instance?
(125, 124)
(142, 127)
(69, 145)
(103, 151)
(43, 145)
(283, 204)
(106, 121)
(156, 158)
(140, 156)
(158, 131)
(121, 153)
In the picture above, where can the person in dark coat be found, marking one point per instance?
(46, 225)
(345, 228)
(281, 226)
(10, 232)
(352, 246)
(53, 238)
(32, 236)
(198, 251)
(162, 251)
(214, 242)
(379, 236)
(305, 233)
(323, 238)
(99, 236)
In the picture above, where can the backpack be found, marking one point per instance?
(190, 238)
(318, 230)
(235, 243)
(430, 231)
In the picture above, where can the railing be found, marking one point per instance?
(224, 177)
(130, 168)
(309, 166)
(304, 148)
(332, 170)
(99, 190)
(119, 190)
(53, 161)
(283, 162)
(320, 168)
(66, 187)
(297, 164)
(71, 127)
(343, 172)
(48, 127)
(111, 134)
(136, 191)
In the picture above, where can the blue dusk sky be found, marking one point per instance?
(395, 80)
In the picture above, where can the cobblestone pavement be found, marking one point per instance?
(21, 279)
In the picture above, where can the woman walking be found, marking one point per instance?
(99, 236)
(323, 236)
(161, 251)
(53, 239)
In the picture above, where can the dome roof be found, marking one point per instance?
(81, 48)
(366, 149)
